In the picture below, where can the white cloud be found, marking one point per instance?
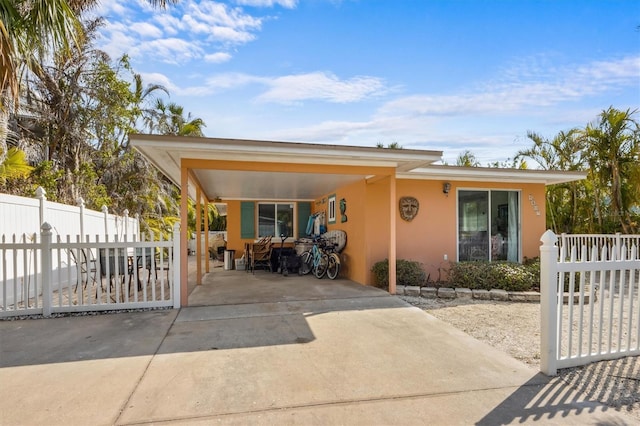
(169, 50)
(190, 25)
(289, 4)
(158, 78)
(115, 37)
(217, 58)
(170, 24)
(147, 30)
(524, 88)
(321, 86)
(317, 86)
(110, 8)
(221, 23)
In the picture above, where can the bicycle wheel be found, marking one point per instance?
(306, 263)
(333, 267)
(321, 268)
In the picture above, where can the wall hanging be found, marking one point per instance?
(409, 207)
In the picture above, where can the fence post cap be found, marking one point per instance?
(549, 238)
(105, 209)
(80, 201)
(40, 192)
(45, 227)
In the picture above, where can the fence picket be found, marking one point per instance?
(46, 274)
(612, 328)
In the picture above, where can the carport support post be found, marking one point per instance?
(549, 303)
(198, 235)
(392, 233)
(177, 271)
(206, 235)
(184, 195)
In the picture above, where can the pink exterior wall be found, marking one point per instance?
(426, 239)
(433, 232)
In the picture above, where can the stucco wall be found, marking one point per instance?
(433, 232)
(426, 239)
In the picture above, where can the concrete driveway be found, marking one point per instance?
(332, 352)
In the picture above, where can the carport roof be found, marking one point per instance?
(168, 152)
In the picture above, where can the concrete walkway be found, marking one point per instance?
(332, 353)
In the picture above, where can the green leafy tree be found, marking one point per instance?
(467, 159)
(564, 201)
(392, 145)
(609, 151)
(170, 120)
(32, 30)
(12, 165)
(613, 156)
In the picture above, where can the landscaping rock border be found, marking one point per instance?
(450, 293)
(466, 293)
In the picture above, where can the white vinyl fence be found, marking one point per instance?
(49, 274)
(21, 215)
(598, 278)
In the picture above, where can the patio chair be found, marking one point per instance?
(86, 263)
(260, 253)
(154, 262)
(118, 271)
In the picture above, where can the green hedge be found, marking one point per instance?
(507, 276)
(408, 272)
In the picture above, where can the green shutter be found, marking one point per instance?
(304, 211)
(247, 219)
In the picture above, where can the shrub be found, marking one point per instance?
(408, 272)
(507, 276)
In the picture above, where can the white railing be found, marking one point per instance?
(613, 243)
(599, 278)
(45, 274)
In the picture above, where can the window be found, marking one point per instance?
(275, 219)
(488, 225)
(331, 213)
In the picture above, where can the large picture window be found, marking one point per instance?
(488, 225)
(275, 219)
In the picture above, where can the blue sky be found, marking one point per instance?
(441, 75)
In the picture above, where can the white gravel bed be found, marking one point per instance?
(514, 328)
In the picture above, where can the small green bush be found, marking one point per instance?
(507, 276)
(408, 272)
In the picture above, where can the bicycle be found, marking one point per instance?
(321, 259)
(310, 258)
(333, 261)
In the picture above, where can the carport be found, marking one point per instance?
(218, 170)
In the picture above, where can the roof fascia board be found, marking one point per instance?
(219, 146)
(478, 174)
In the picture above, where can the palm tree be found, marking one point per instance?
(563, 152)
(170, 120)
(30, 30)
(12, 164)
(467, 159)
(613, 154)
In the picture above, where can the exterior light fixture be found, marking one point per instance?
(446, 187)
